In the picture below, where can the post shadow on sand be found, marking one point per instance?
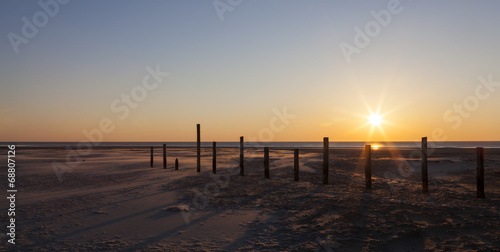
(249, 201)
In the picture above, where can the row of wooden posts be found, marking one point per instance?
(326, 152)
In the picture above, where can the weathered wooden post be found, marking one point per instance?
(266, 162)
(296, 164)
(151, 156)
(425, 178)
(164, 156)
(326, 151)
(198, 148)
(176, 164)
(242, 165)
(480, 172)
(214, 159)
(368, 166)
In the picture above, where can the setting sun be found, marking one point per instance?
(375, 119)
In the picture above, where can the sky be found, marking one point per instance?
(267, 70)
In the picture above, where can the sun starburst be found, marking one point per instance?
(375, 119)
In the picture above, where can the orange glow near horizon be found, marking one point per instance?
(376, 121)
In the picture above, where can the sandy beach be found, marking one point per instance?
(338, 125)
(112, 200)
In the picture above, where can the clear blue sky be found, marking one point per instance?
(230, 74)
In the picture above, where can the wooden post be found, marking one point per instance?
(214, 159)
(480, 172)
(164, 156)
(425, 177)
(242, 165)
(176, 164)
(368, 166)
(296, 164)
(198, 149)
(326, 151)
(151, 156)
(266, 162)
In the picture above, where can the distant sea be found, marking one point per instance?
(333, 144)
